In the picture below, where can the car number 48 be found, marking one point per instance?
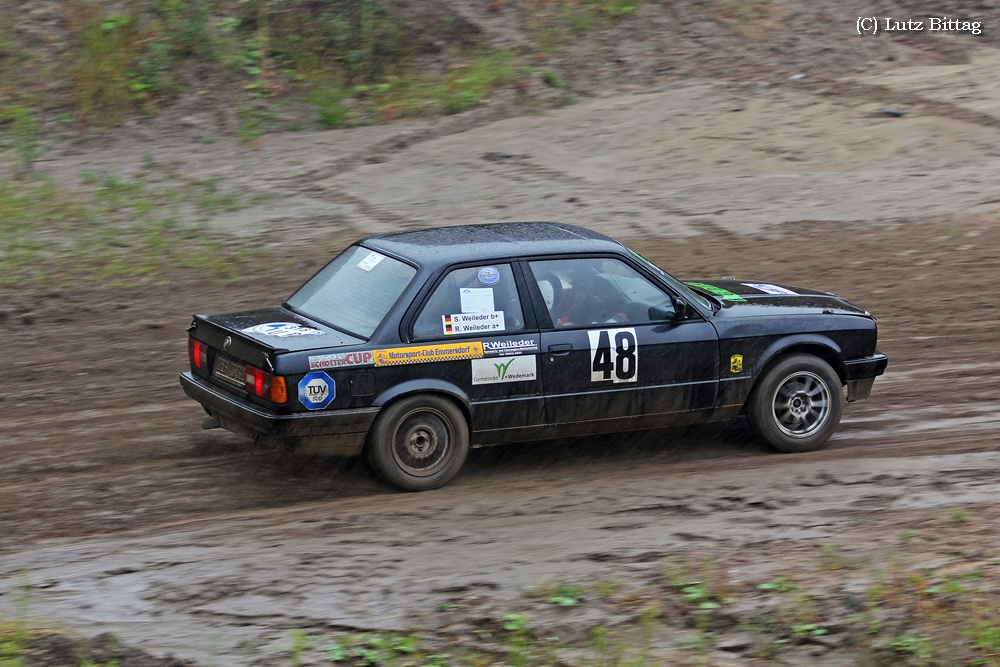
(614, 355)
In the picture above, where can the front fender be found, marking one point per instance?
(427, 385)
(800, 341)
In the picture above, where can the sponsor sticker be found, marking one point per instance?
(614, 355)
(511, 346)
(504, 369)
(477, 299)
(419, 354)
(317, 390)
(489, 275)
(341, 360)
(466, 323)
(718, 291)
(370, 261)
(736, 363)
(282, 330)
(771, 289)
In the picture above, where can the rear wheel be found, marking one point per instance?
(797, 404)
(419, 442)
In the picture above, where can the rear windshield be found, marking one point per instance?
(355, 291)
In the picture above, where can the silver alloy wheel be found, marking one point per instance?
(422, 442)
(801, 404)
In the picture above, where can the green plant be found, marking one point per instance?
(921, 647)
(23, 137)
(957, 516)
(831, 559)
(301, 641)
(809, 630)
(566, 595)
(552, 79)
(905, 537)
(372, 649)
(250, 126)
(329, 100)
(518, 639)
(104, 52)
(618, 8)
(778, 585)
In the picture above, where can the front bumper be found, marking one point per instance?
(326, 432)
(861, 374)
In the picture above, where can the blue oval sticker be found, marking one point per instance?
(489, 276)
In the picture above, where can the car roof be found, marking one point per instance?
(437, 246)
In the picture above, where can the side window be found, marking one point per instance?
(592, 291)
(476, 300)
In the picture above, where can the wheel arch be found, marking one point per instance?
(427, 386)
(814, 344)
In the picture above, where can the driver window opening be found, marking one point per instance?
(596, 291)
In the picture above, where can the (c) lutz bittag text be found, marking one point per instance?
(872, 25)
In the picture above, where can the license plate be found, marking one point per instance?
(231, 371)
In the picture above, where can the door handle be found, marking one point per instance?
(560, 349)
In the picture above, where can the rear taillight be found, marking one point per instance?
(266, 386)
(198, 354)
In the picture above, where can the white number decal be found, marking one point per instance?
(614, 355)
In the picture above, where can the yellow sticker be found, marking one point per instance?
(736, 363)
(419, 354)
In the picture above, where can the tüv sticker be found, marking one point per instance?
(317, 390)
(282, 330)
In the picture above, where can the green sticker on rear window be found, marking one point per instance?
(718, 291)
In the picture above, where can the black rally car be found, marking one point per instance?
(411, 346)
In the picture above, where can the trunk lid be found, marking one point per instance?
(256, 336)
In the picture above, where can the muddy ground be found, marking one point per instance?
(122, 515)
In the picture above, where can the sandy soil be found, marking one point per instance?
(125, 516)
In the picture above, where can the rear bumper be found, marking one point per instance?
(861, 374)
(304, 429)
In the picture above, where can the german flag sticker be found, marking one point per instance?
(447, 324)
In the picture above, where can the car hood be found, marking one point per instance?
(756, 297)
(281, 330)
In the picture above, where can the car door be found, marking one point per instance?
(482, 305)
(612, 348)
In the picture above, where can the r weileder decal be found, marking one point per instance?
(282, 330)
(511, 346)
(341, 360)
(614, 355)
(504, 369)
(720, 292)
(419, 354)
(771, 289)
(736, 363)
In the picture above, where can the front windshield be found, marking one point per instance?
(355, 291)
(676, 284)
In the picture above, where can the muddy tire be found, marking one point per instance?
(796, 405)
(419, 442)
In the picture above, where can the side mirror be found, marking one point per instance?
(664, 312)
(681, 309)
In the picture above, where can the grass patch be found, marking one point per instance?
(122, 230)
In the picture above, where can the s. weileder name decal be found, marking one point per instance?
(418, 354)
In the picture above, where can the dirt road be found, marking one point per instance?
(123, 515)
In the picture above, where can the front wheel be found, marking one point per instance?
(797, 404)
(419, 443)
